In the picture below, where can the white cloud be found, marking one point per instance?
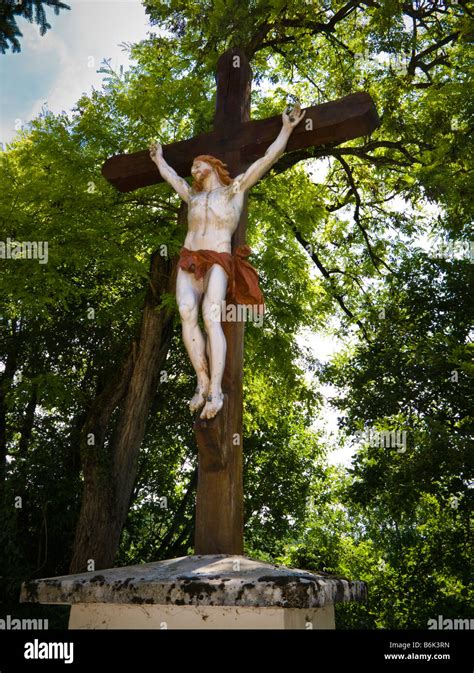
(72, 50)
(97, 32)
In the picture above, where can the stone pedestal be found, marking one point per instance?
(197, 592)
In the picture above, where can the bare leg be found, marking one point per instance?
(188, 294)
(215, 293)
(208, 349)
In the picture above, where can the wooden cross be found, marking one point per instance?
(238, 142)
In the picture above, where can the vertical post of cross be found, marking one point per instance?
(219, 501)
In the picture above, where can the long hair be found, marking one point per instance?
(219, 167)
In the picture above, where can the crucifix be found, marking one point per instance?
(236, 147)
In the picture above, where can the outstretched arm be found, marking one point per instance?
(273, 153)
(169, 174)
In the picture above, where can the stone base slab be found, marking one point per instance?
(213, 591)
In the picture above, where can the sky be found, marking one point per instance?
(57, 68)
(60, 66)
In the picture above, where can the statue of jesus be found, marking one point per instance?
(208, 273)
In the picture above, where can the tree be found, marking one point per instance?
(409, 393)
(32, 10)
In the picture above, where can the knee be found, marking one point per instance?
(211, 314)
(188, 311)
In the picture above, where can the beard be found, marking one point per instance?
(198, 182)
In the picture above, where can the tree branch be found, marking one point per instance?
(416, 60)
(318, 26)
(309, 248)
(373, 256)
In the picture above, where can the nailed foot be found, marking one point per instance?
(213, 406)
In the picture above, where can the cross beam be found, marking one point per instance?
(238, 142)
(332, 123)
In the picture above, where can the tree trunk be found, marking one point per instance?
(6, 382)
(110, 468)
(179, 521)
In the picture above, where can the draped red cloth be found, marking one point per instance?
(242, 288)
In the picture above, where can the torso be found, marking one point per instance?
(213, 218)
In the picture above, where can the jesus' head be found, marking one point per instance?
(203, 165)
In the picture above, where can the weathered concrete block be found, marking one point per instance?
(218, 591)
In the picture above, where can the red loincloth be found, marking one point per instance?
(242, 287)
